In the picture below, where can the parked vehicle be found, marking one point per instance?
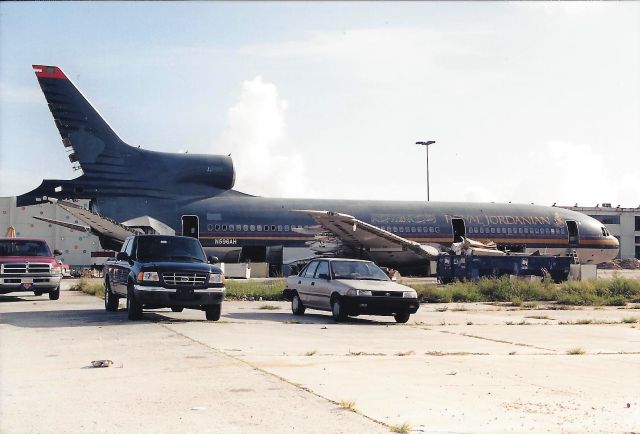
(154, 271)
(27, 265)
(349, 287)
(472, 267)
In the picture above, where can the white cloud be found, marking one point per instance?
(264, 164)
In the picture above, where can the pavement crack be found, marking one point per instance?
(271, 374)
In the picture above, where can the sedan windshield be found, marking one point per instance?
(24, 248)
(357, 271)
(169, 249)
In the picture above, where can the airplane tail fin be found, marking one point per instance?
(87, 136)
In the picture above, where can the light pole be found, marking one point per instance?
(426, 145)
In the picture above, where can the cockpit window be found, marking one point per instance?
(605, 231)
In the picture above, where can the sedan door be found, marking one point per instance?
(321, 286)
(304, 283)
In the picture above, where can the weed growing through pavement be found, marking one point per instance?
(348, 405)
(311, 353)
(577, 351)
(269, 307)
(401, 429)
(630, 320)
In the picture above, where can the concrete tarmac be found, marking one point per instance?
(453, 368)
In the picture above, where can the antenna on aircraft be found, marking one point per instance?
(426, 145)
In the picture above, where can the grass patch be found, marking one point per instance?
(269, 307)
(629, 320)
(269, 290)
(538, 317)
(527, 293)
(406, 353)
(577, 351)
(584, 321)
(90, 287)
(348, 405)
(311, 353)
(402, 428)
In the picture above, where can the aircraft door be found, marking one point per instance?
(459, 230)
(574, 235)
(190, 226)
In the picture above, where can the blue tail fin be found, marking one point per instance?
(82, 129)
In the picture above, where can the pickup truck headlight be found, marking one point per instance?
(217, 278)
(409, 294)
(359, 292)
(148, 276)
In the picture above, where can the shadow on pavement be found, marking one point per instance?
(307, 318)
(64, 318)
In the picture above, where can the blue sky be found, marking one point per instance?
(528, 102)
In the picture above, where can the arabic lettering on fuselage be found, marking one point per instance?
(395, 218)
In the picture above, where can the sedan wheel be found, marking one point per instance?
(338, 311)
(296, 305)
(402, 317)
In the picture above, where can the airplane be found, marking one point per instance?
(192, 194)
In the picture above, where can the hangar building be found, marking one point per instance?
(623, 223)
(78, 248)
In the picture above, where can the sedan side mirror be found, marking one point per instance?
(122, 256)
(213, 259)
(57, 252)
(323, 276)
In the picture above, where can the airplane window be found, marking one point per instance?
(266, 227)
(413, 228)
(526, 230)
(209, 228)
(482, 230)
(286, 228)
(217, 227)
(508, 230)
(548, 231)
(279, 228)
(252, 228)
(224, 227)
(519, 230)
(493, 230)
(400, 229)
(273, 227)
(259, 228)
(395, 229)
(245, 228)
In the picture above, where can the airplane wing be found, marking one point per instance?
(108, 230)
(358, 234)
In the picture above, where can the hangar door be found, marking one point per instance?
(190, 226)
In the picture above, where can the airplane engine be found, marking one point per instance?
(203, 170)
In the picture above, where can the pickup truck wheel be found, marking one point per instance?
(337, 310)
(402, 317)
(177, 309)
(111, 301)
(213, 312)
(55, 294)
(296, 305)
(134, 308)
(37, 293)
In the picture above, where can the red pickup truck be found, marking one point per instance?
(27, 265)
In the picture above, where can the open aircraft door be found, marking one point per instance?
(459, 229)
(190, 226)
(572, 231)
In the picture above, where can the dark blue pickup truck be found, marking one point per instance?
(155, 271)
